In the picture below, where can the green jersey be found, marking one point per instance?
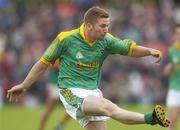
(174, 59)
(53, 76)
(81, 61)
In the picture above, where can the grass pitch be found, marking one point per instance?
(21, 118)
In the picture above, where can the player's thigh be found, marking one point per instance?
(98, 106)
(96, 125)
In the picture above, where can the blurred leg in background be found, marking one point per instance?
(173, 108)
(51, 102)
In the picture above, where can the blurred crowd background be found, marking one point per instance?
(28, 27)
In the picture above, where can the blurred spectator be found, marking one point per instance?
(172, 69)
(27, 27)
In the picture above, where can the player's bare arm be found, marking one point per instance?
(37, 70)
(139, 51)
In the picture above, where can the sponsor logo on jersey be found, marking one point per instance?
(101, 50)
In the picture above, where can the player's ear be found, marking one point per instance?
(89, 26)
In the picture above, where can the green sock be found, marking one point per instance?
(148, 117)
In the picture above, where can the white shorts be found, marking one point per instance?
(77, 113)
(53, 90)
(173, 98)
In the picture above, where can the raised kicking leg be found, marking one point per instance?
(102, 107)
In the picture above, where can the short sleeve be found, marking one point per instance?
(54, 51)
(118, 46)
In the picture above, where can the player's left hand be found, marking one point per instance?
(157, 54)
(15, 92)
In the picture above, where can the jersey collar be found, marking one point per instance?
(83, 35)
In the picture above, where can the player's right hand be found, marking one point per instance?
(156, 54)
(15, 92)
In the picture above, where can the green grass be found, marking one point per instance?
(21, 118)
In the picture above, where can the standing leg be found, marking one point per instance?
(62, 122)
(51, 102)
(65, 119)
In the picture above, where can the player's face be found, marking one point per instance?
(100, 28)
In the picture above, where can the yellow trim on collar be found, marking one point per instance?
(63, 35)
(82, 31)
(83, 35)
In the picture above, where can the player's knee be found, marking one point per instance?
(100, 105)
(109, 108)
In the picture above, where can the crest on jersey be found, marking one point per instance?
(79, 55)
(101, 50)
